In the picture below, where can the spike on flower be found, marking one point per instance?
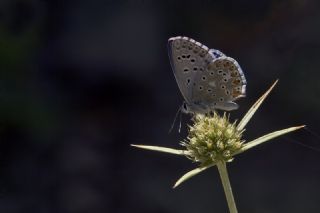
(213, 140)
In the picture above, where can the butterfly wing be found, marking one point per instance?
(216, 53)
(219, 85)
(187, 58)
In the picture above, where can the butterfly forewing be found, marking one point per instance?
(187, 58)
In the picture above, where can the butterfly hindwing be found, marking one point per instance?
(222, 83)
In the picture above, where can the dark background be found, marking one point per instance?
(81, 80)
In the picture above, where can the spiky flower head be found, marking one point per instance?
(212, 138)
(213, 141)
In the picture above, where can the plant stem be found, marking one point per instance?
(226, 186)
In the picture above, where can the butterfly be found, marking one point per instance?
(207, 78)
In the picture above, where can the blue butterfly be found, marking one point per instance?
(207, 78)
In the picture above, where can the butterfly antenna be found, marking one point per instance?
(301, 144)
(175, 118)
(180, 121)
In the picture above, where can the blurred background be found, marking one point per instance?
(82, 80)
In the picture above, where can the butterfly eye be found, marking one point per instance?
(192, 60)
(204, 78)
(195, 68)
(221, 99)
(223, 86)
(185, 70)
(185, 107)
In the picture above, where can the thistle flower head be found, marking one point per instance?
(212, 138)
(213, 141)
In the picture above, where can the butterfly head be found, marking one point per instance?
(185, 108)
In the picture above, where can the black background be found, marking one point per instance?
(81, 80)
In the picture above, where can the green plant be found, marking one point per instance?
(214, 141)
